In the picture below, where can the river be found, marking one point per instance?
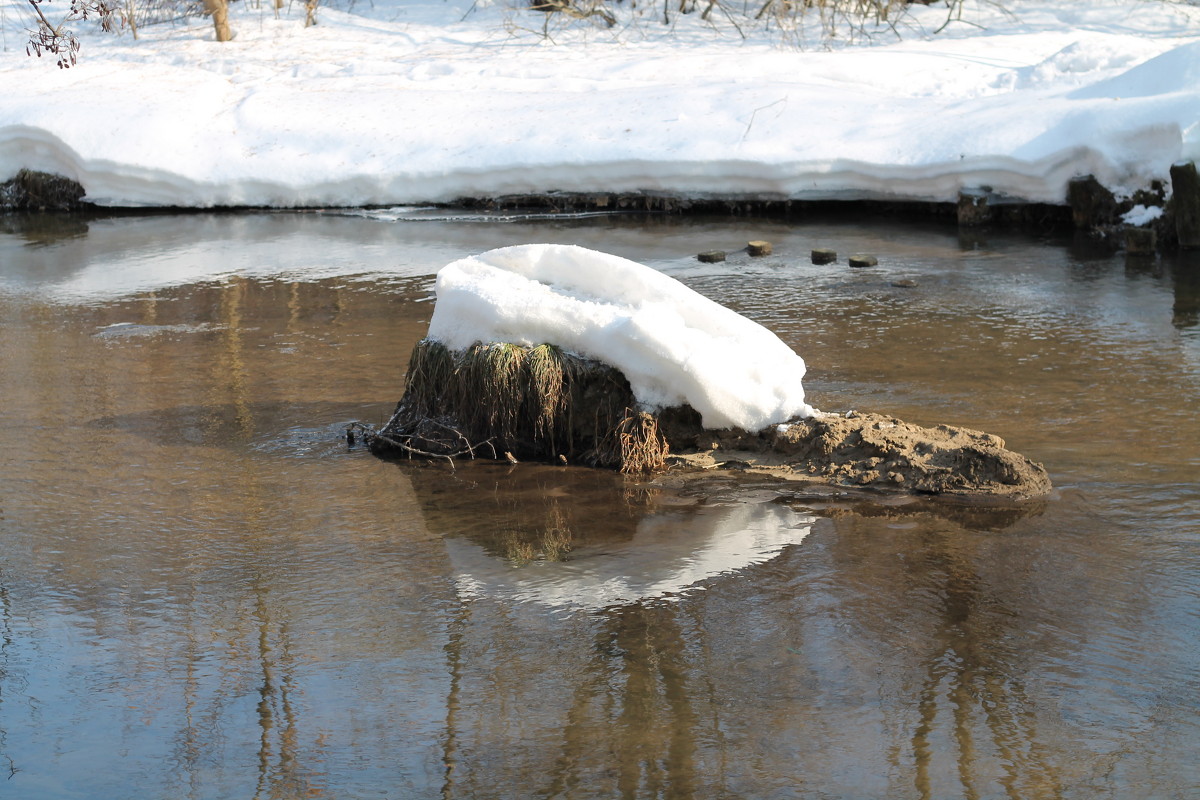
(205, 593)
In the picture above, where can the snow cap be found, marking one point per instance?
(674, 345)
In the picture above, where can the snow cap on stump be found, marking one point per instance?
(673, 345)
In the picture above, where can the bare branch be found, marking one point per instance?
(58, 40)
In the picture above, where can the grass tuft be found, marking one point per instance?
(537, 402)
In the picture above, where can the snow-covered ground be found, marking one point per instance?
(405, 101)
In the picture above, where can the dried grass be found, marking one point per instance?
(430, 370)
(489, 390)
(547, 398)
(644, 450)
(550, 541)
(538, 402)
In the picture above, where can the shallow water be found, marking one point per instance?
(205, 594)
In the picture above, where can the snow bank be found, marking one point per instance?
(403, 101)
(674, 345)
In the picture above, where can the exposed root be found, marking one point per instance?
(428, 438)
(644, 449)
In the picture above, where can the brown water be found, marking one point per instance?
(205, 594)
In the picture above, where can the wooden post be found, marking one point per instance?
(1185, 200)
(1091, 204)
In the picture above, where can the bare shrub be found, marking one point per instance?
(59, 40)
(796, 21)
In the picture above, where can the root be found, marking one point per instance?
(428, 438)
(644, 450)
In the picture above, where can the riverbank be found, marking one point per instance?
(398, 103)
(1146, 222)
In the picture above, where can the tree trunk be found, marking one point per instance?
(219, 10)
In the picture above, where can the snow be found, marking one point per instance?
(674, 345)
(1141, 215)
(411, 101)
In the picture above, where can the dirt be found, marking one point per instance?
(872, 451)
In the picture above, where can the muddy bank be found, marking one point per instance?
(870, 451)
(861, 451)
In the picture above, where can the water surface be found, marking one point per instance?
(204, 593)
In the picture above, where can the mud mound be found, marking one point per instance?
(875, 451)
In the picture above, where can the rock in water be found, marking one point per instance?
(40, 191)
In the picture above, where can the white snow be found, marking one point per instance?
(406, 101)
(673, 344)
(1141, 215)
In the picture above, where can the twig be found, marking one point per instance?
(755, 113)
(403, 442)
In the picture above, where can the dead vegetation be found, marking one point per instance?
(528, 402)
(795, 21)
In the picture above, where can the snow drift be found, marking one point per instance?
(673, 345)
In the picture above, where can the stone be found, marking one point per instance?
(758, 248)
(1091, 204)
(824, 256)
(40, 191)
(973, 208)
(864, 261)
(711, 256)
(1140, 241)
(905, 283)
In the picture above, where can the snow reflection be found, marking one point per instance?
(671, 552)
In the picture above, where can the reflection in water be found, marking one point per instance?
(6, 678)
(205, 594)
(36, 230)
(968, 682)
(1186, 273)
(528, 544)
(656, 727)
